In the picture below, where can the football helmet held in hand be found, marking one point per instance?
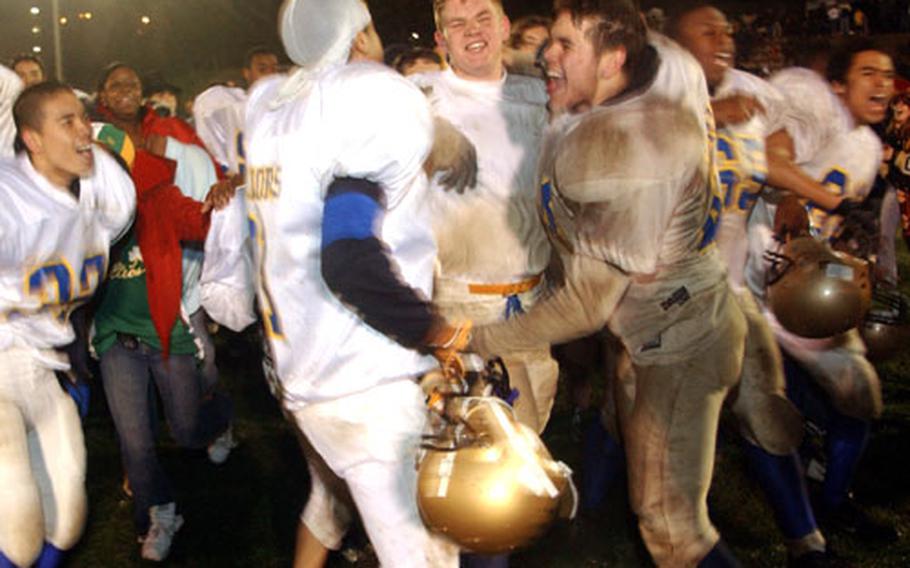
(815, 292)
(487, 481)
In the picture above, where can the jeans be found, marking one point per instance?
(208, 373)
(194, 421)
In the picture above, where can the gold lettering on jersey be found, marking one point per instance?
(264, 183)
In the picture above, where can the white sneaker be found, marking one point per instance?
(220, 449)
(165, 523)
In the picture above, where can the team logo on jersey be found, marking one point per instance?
(264, 183)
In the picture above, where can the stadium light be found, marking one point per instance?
(36, 49)
(35, 10)
(145, 20)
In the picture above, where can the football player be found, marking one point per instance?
(635, 238)
(10, 86)
(747, 110)
(345, 261)
(492, 249)
(64, 201)
(826, 142)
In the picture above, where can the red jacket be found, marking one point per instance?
(164, 219)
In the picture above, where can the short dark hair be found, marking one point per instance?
(521, 25)
(26, 57)
(255, 51)
(842, 57)
(28, 110)
(412, 55)
(616, 23)
(679, 9)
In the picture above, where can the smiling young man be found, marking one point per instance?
(62, 203)
(825, 140)
(630, 201)
(748, 110)
(492, 249)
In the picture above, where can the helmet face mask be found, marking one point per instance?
(485, 480)
(815, 292)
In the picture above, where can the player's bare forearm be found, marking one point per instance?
(783, 173)
(581, 306)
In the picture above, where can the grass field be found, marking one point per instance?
(244, 512)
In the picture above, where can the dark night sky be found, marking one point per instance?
(191, 42)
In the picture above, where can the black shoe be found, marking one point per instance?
(851, 519)
(817, 559)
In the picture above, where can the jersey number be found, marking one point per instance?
(271, 321)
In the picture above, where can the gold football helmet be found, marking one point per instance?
(886, 329)
(485, 480)
(816, 292)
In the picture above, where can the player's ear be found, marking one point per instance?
(839, 88)
(32, 140)
(611, 62)
(506, 25)
(440, 40)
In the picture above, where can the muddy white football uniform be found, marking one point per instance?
(349, 386)
(829, 145)
(637, 245)
(53, 256)
(10, 87)
(845, 158)
(492, 248)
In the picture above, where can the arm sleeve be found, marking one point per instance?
(358, 269)
(10, 87)
(386, 130)
(581, 306)
(115, 194)
(226, 285)
(810, 117)
(195, 172)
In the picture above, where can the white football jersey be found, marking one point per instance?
(491, 234)
(633, 183)
(54, 248)
(830, 147)
(359, 120)
(226, 286)
(742, 166)
(227, 290)
(10, 87)
(218, 114)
